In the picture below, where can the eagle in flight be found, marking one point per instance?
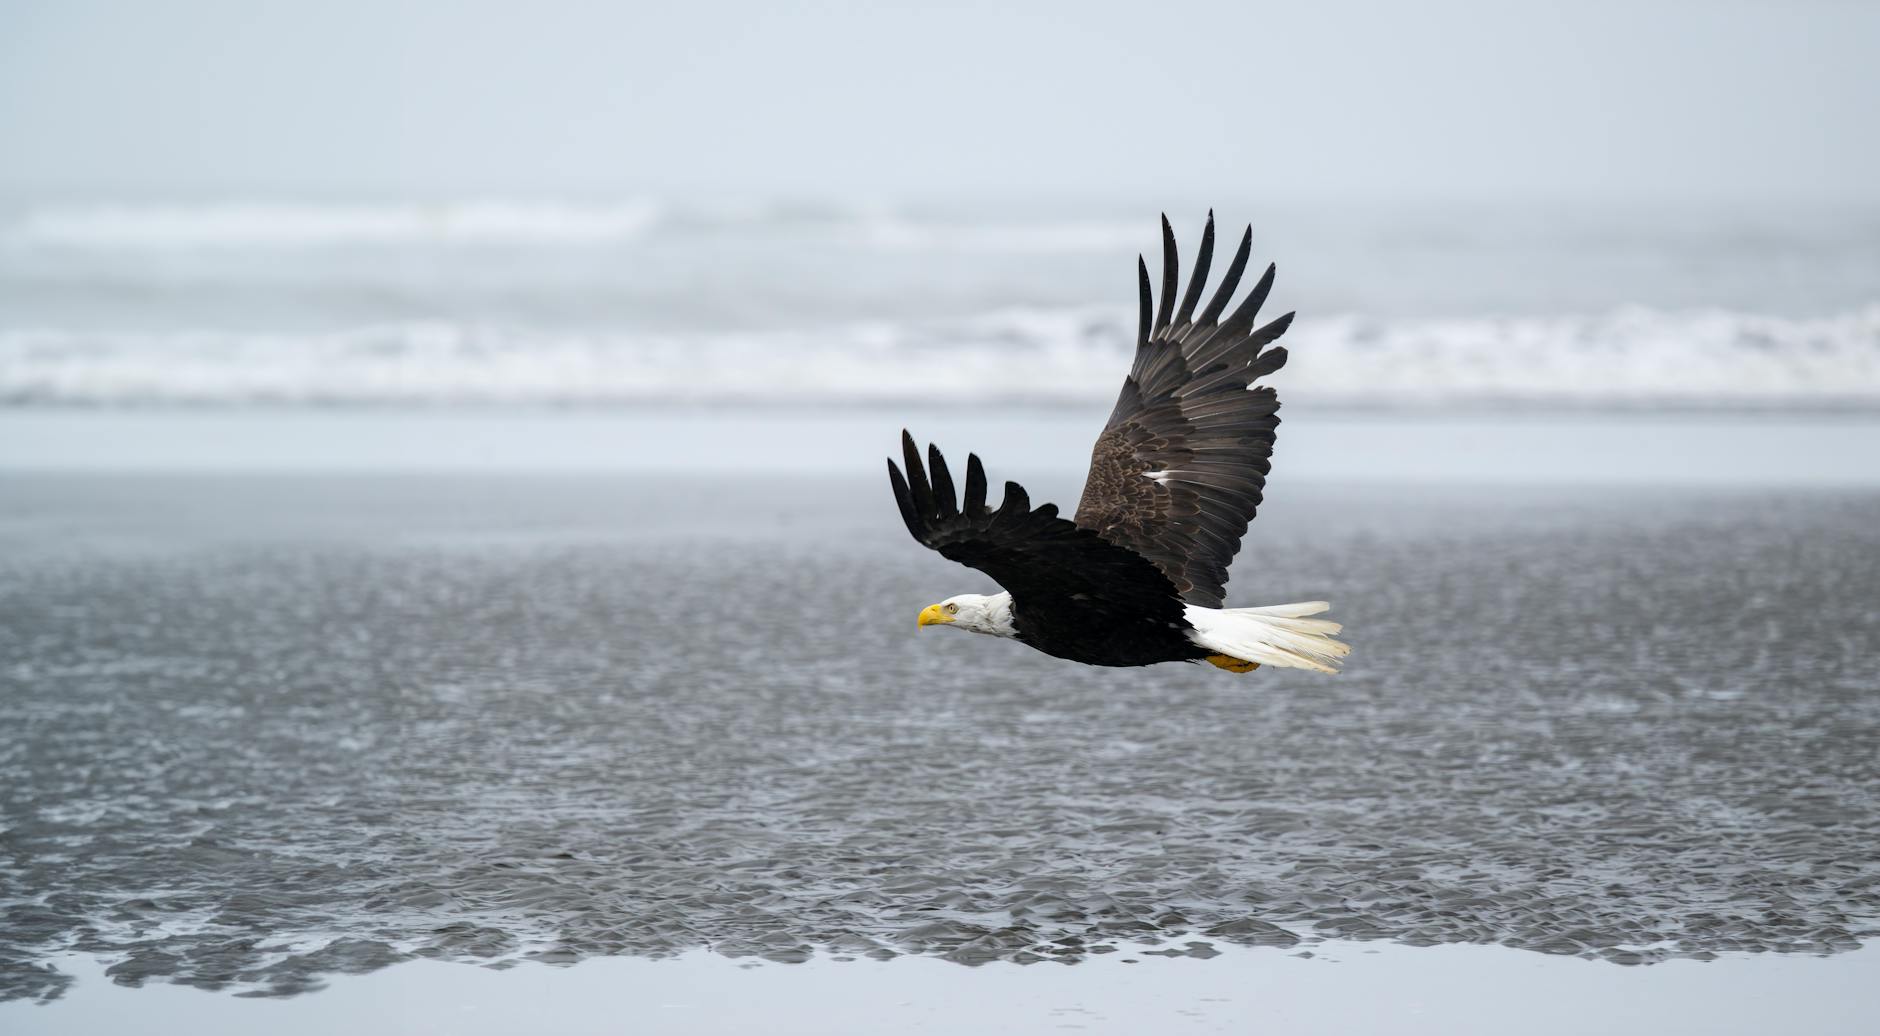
(1138, 576)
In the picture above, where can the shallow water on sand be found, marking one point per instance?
(1333, 988)
(254, 732)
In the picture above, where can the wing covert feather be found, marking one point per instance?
(1180, 468)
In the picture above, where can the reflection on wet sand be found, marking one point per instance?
(1334, 989)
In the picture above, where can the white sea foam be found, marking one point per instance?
(262, 224)
(231, 224)
(892, 232)
(1628, 357)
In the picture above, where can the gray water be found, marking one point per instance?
(257, 731)
(214, 304)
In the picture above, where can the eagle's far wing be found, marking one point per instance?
(1180, 467)
(1031, 552)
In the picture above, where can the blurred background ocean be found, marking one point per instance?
(1423, 308)
(1472, 206)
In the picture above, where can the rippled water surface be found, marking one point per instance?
(254, 732)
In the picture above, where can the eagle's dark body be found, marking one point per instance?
(1175, 476)
(1075, 594)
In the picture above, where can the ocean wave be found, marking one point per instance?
(1628, 357)
(888, 231)
(236, 225)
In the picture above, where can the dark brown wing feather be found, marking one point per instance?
(1181, 465)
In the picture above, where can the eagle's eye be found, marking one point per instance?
(953, 609)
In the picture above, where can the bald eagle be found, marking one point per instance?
(1138, 576)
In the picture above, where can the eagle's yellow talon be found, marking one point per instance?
(1232, 664)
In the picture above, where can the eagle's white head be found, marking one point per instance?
(975, 612)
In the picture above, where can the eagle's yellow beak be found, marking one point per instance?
(933, 615)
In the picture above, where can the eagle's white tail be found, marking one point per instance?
(1277, 635)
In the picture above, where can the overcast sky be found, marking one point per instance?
(1754, 100)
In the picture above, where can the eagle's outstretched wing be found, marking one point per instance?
(1179, 469)
(1031, 552)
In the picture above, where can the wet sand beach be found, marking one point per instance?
(266, 731)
